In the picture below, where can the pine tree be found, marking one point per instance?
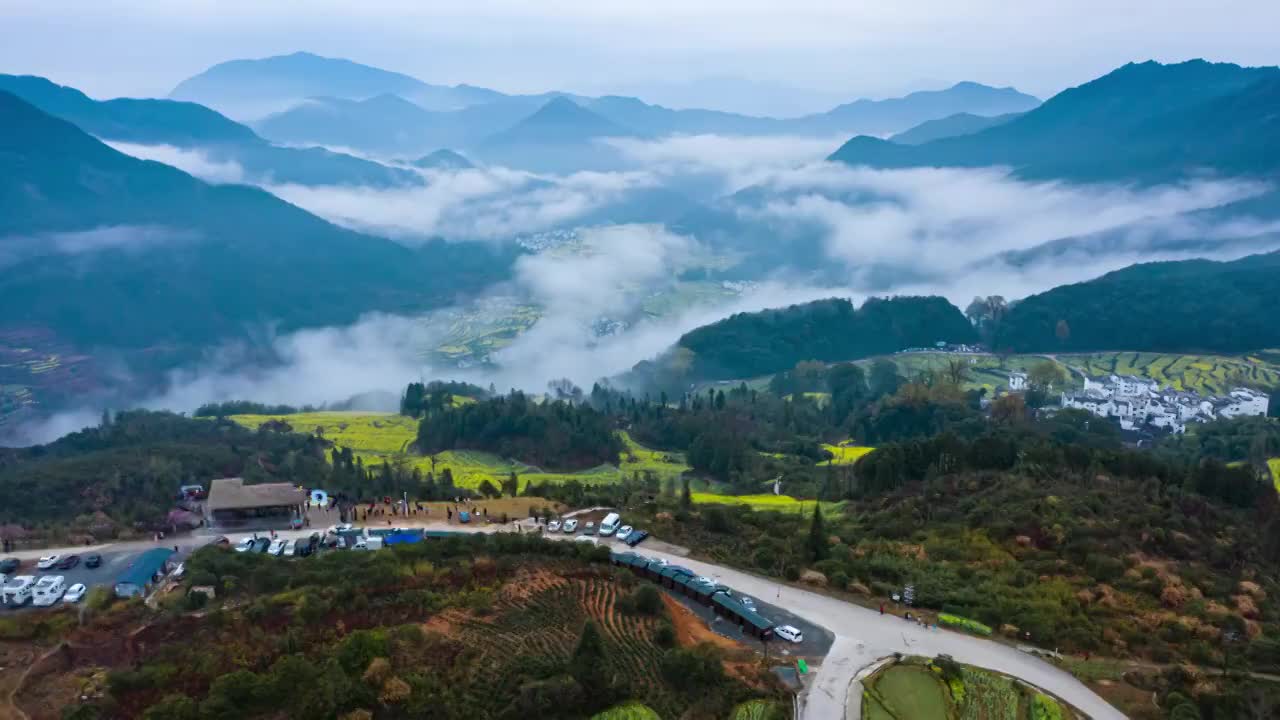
(817, 535)
(686, 496)
(587, 665)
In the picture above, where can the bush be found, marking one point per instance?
(647, 600)
(664, 636)
(693, 668)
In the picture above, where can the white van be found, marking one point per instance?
(17, 591)
(609, 525)
(48, 590)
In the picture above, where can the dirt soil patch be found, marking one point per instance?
(691, 630)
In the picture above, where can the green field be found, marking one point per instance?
(378, 438)
(846, 454)
(779, 503)
(915, 689)
(906, 692)
(1274, 464)
(366, 433)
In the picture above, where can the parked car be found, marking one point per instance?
(636, 537)
(623, 532)
(706, 580)
(75, 593)
(180, 570)
(68, 562)
(590, 528)
(747, 602)
(277, 547)
(93, 561)
(261, 544)
(245, 545)
(291, 548)
(9, 565)
(48, 561)
(553, 526)
(787, 632)
(570, 525)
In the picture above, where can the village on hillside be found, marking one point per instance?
(1138, 402)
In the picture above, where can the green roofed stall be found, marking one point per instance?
(142, 572)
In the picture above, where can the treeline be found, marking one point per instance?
(1034, 451)
(751, 344)
(248, 407)
(553, 435)
(125, 473)
(1189, 306)
(424, 398)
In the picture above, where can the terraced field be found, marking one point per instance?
(378, 438)
(539, 617)
(1206, 374)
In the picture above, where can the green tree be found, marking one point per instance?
(587, 665)
(817, 543)
(686, 496)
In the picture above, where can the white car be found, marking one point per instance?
(747, 602)
(291, 548)
(75, 593)
(624, 532)
(570, 525)
(180, 570)
(245, 545)
(553, 526)
(706, 580)
(277, 546)
(787, 632)
(48, 561)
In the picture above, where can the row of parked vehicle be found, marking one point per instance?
(44, 591)
(611, 525)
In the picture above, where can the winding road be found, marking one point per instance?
(862, 636)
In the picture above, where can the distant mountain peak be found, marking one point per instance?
(560, 120)
(443, 159)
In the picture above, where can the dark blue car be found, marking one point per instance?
(636, 537)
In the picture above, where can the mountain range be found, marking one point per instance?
(1147, 122)
(190, 126)
(343, 104)
(254, 88)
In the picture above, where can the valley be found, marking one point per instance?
(639, 362)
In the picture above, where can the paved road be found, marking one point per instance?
(862, 635)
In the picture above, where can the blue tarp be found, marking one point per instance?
(401, 538)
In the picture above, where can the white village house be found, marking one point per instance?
(1135, 402)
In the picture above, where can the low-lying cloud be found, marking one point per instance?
(473, 204)
(126, 238)
(957, 233)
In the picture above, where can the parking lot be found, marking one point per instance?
(114, 563)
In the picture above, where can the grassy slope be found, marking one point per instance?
(377, 438)
(846, 454)
(1274, 464)
(781, 503)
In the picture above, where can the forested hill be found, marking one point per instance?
(1195, 305)
(104, 250)
(750, 344)
(1145, 121)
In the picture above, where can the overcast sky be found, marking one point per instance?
(830, 48)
